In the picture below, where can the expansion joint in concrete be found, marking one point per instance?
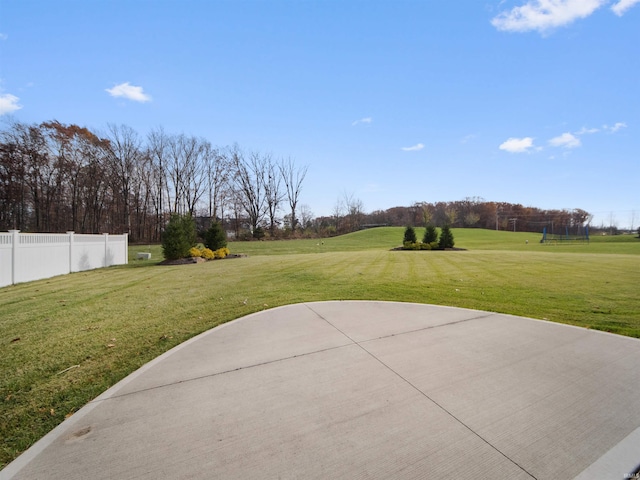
(425, 395)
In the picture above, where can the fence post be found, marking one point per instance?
(106, 249)
(70, 233)
(14, 247)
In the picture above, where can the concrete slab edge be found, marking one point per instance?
(618, 463)
(32, 452)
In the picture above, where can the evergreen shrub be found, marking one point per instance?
(215, 237)
(258, 233)
(178, 237)
(446, 238)
(430, 235)
(409, 235)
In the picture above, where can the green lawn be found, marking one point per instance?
(67, 339)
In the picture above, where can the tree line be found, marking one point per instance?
(471, 212)
(56, 177)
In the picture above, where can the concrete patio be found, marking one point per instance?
(363, 390)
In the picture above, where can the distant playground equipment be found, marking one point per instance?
(570, 235)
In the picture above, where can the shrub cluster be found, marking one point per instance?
(221, 252)
(430, 239)
(179, 240)
(420, 246)
(207, 253)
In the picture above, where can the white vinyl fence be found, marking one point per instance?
(32, 256)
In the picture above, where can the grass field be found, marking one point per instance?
(67, 339)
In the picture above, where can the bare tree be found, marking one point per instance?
(14, 203)
(124, 156)
(217, 168)
(355, 210)
(182, 153)
(249, 181)
(235, 205)
(158, 144)
(337, 214)
(306, 216)
(273, 192)
(293, 177)
(196, 172)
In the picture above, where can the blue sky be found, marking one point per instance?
(526, 101)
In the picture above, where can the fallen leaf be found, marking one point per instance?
(110, 345)
(52, 411)
(17, 339)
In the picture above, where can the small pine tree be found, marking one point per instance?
(178, 237)
(215, 237)
(189, 229)
(430, 235)
(446, 238)
(258, 233)
(410, 235)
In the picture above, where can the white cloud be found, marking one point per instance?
(617, 126)
(415, 148)
(566, 140)
(362, 120)
(544, 15)
(468, 138)
(129, 92)
(622, 6)
(585, 130)
(9, 103)
(517, 145)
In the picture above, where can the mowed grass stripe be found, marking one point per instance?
(67, 339)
